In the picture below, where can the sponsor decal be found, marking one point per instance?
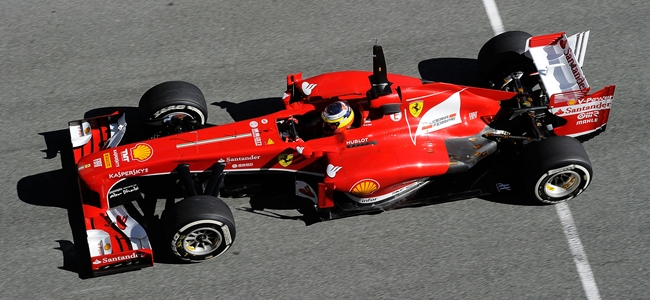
(264, 121)
(415, 108)
(568, 110)
(116, 159)
(243, 165)
(125, 155)
(239, 158)
(141, 152)
(332, 170)
(587, 121)
(300, 149)
(120, 221)
(107, 161)
(563, 43)
(107, 247)
(134, 172)
(473, 115)
(443, 115)
(253, 124)
(270, 142)
(97, 162)
(256, 135)
(285, 159)
(396, 193)
(123, 191)
(304, 190)
(86, 166)
(106, 260)
(356, 141)
(595, 99)
(575, 69)
(307, 191)
(364, 187)
(503, 187)
(308, 87)
(396, 117)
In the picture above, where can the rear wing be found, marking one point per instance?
(559, 60)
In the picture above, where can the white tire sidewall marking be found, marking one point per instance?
(179, 107)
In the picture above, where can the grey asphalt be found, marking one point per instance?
(61, 59)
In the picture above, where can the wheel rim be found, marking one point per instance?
(562, 184)
(202, 241)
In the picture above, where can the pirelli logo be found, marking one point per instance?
(107, 161)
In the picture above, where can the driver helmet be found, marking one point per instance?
(337, 117)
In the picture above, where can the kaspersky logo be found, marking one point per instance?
(141, 152)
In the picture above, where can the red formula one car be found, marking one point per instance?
(390, 141)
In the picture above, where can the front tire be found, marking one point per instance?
(198, 228)
(556, 170)
(172, 107)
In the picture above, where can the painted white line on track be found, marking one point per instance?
(563, 212)
(493, 14)
(578, 252)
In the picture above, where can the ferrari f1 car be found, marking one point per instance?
(412, 142)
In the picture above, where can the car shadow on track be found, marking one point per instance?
(251, 108)
(461, 71)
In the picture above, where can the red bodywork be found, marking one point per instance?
(382, 154)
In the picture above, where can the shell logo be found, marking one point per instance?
(141, 152)
(364, 187)
(107, 247)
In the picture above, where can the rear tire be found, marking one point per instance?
(198, 228)
(504, 54)
(556, 170)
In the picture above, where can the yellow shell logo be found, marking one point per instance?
(141, 152)
(107, 247)
(364, 187)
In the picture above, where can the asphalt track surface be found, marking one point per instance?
(61, 59)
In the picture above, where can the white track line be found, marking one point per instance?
(579, 254)
(562, 209)
(493, 14)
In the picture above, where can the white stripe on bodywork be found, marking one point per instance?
(215, 140)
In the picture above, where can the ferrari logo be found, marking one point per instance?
(415, 108)
(285, 159)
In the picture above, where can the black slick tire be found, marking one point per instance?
(555, 170)
(198, 228)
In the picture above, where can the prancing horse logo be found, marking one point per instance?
(415, 108)
(285, 159)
